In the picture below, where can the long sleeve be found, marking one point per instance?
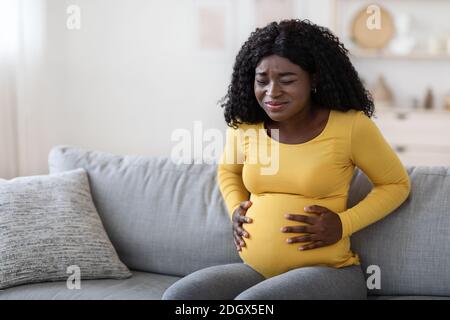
(229, 172)
(391, 184)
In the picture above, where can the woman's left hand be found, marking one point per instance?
(323, 230)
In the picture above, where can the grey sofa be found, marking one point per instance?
(167, 220)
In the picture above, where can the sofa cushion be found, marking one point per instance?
(49, 227)
(161, 217)
(411, 245)
(141, 286)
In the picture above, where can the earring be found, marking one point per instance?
(314, 90)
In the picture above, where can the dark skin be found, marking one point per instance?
(279, 81)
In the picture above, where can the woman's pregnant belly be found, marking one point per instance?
(267, 251)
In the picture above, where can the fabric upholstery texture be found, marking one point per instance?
(141, 286)
(411, 246)
(171, 219)
(161, 216)
(49, 223)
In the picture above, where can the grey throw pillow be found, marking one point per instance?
(49, 227)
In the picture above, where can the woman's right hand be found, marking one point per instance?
(238, 219)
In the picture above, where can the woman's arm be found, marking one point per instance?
(229, 172)
(374, 156)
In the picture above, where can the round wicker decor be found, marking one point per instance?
(366, 34)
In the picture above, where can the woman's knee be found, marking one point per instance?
(311, 283)
(195, 286)
(222, 282)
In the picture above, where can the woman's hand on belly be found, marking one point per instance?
(238, 219)
(323, 230)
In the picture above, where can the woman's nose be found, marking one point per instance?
(273, 90)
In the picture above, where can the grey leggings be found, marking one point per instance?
(240, 282)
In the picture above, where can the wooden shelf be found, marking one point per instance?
(375, 54)
(396, 110)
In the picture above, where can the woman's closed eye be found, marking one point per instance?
(287, 81)
(261, 82)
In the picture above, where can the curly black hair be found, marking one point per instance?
(316, 50)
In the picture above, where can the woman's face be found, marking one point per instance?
(282, 88)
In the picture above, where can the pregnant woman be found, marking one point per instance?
(296, 100)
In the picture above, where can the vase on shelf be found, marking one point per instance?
(447, 102)
(382, 94)
(428, 103)
(404, 42)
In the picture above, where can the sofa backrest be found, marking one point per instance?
(170, 218)
(411, 246)
(161, 217)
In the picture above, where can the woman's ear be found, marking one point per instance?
(313, 82)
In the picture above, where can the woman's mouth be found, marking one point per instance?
(275, 106)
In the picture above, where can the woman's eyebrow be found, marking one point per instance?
(281, 74)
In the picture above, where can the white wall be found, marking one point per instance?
(8, 143)
(8, 63)
(126, 80)
(122, 83)
(134, 73)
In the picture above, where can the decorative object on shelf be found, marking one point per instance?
(435, 45)
(400, 148)
(382, 94)
(404, 42)
(447, 101)
(448, 43)
(372, 27)
(428, 103)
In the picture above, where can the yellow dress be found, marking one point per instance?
(283, 178)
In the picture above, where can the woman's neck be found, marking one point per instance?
(304, 119)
